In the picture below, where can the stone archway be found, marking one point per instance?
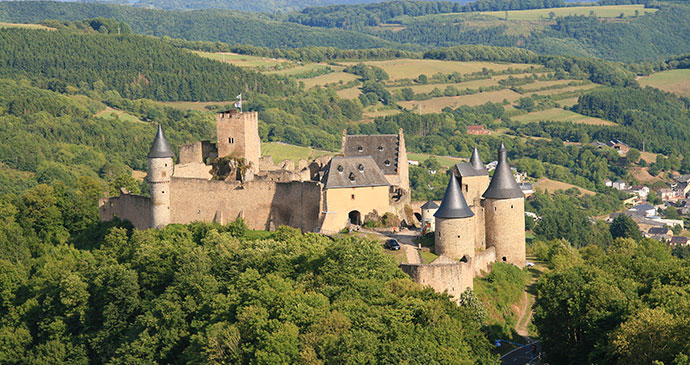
(355, 217)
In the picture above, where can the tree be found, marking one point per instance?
(633, 155)
(551, 15)
(625, 227)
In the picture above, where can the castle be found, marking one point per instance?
(229, 179)
(480, 221)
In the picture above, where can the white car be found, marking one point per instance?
(529, 263)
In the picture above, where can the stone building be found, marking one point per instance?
(228, 179)
(480, 221)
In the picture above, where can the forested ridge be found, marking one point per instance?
(135, 66)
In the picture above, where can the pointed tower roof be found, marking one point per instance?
(430, 205)
(503, 185)
(160, 147)
(453, 204)
(477, 164)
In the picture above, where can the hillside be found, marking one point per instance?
(205, 25)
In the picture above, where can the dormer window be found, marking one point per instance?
(360, 167)
(360, 148)
(387, 162)
(340, 168)
(352, 176)
(380, 148)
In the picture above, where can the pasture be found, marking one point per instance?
(333, 77)
(282, 151)
(26, 26)
(110, 114)
(194, 105)
(403, 68)
(427, 88)
(445, 161)
(435, 105)
(245, 60)
(350, 93)
(606, 11)
(675, 81)
(552, 186)
(560, 115)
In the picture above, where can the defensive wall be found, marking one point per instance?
(134, 208)
(263, 204)
(447, 275)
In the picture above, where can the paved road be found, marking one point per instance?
(520, 356)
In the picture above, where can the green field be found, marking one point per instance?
(110, 113)
(245, 60)
(607, 11)
(333, 77)
(403, 68)
(302, 69)
(445, 161)
(194, 105)
(350, 93)
(281, 152)
(27, 26)
(675, 81)
(435, 105)
(560, 115)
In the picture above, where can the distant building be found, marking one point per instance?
(619, 185)
(678, 241)
(619, 146)
(477, 130)
(644, 210)
(526, 188)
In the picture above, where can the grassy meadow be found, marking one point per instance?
(552, 186)
(560, 115)
(399, 69)
(26, 26)
(606, 11)
(675, 81)
(282, 151)
(435, 105)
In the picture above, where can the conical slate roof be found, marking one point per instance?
(477, 163)
(430, 205)
(453, 204)
(160, 147)
(503, 185)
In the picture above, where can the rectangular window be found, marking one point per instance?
(353, 197)
(231, 140)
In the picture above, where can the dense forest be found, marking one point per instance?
(643, 38)
(134, 66)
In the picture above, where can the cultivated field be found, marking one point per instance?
(435, 105)
(301, 69)
(563, 90)
(330, 78)
(607, 11)
(552, 186)
(399, 69)
(194, 105)
(675, 81)
(350, 93)
(445, 161)
(568, 102)
(560, 115)
(475, 84)
(245, 60)
(542, 84)
(28, 26)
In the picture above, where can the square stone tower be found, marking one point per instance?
(238, 135)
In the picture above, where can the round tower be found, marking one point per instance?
(428, 210)
(454, 235)
(160, 172)
(504, 211)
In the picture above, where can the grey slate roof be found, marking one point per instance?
(453, 204)
(430, 205)
(477, 163)
(503, 185)
(658, 230)
(383, 148)
(352, 172)
(160, 147)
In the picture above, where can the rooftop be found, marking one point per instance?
(503, 184)
(453, 204)
(160, 147)
(352, 172)
(383, 148)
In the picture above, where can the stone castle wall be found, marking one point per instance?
(472, 188)
(263, 204)
(341, 201)
(505, 222)
(451, 276)
(238, 135)
(483, 260)
(454, 237)
(134, 208)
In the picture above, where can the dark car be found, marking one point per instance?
(392, 244)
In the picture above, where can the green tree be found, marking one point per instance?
(625, 227)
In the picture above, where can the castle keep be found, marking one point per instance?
(480, 221)
(229, 179)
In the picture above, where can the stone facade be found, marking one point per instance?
(452, 277)
(238, 136)
(134, 208)
(360, 201)
(454, 237)
(506, 217)
(160, 173)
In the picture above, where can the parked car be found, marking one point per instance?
(392, 244)
(530, 263)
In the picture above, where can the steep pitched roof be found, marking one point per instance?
(160, 147)
(430, 205)
(503, 185)
(453, 204)
(352, 172)
(383, 148)
(473, 168)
